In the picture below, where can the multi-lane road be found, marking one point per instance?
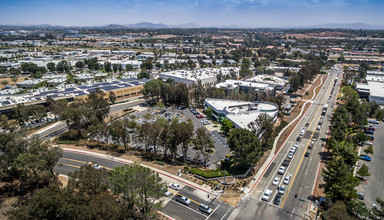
(73, 160)
(303, 168)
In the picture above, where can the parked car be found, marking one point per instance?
(281, 170)
(184, 200)
(168, 193)
(205, 208)
(369, 131)
(199, 116)
(266, 195)
(368, 143)
(365, 157)
(360, 195)
(277, 199)
(276, 181)
(290, 155)
(175, 186)
(281, 190)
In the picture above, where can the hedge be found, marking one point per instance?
(208, 173)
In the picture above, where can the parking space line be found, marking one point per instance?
(189, 208)
(212, 212)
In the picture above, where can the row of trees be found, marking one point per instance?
(169, 92)
(340, 184)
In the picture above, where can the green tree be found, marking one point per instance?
(209, 112)
(339, 182)
(97, 105)
(184, 134)
(363, 171)
(4, 82)
(226, 125)
(245, 146)
(129, 67)
(368, 150)
(79, 64)
(144, 74)
(153, 89)
(119, 132)
(112, 97)
(263, 125)
(63, 66)
(51, 66)
(203, 145)
(139, 187)
(98, 131)
(107, 67)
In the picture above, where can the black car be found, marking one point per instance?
(306, 154)
(277, 199)
(298, 139)
(306, 125)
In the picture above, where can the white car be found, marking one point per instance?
(175, 186)
(276, 181)
(368, 143)
(281, 190)
(287, 179)
(167, 193)
(95, 165)
(266, 195)
(292, 149)
(290, 155)
(296, 144)
(281, 170)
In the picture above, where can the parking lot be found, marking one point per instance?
(220, 142)
(178, 210)
(373, 186)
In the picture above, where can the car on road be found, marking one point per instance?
(318, 127)
(276, 181)
(290, 155)
(307, 125)
(287, 179)
(296, 144)
(205, 208)
(281, 190)
(184, 200)
(175, 186)
(277, 199)
(95, 165)
(281, 170)
(306, 154)
(298, 139)
(365, 157)
(302, 132)
(292, 149)
(266, 195)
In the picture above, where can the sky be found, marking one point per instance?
(244, 13)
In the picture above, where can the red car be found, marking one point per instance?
(199, 116)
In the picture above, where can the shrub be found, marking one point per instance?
(208, 173)
(161, 163)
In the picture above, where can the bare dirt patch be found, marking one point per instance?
(231, 197)
(314, 85)
(63, 180)
(10, 82)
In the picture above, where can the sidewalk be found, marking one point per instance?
(271, 156)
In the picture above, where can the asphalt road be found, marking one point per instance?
(61, 127)
(373, 188)
(303, 170)
(72, 161)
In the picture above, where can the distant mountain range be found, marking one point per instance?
(148, 25)
(353, 26)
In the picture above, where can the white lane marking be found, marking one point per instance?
(225, 214)
(293, 211)
(212, 212)
(188, 208)
(306, 172)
